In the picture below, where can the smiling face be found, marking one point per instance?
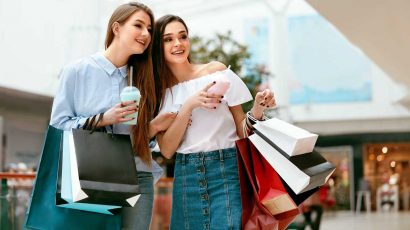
(176, 43)
(134, 35)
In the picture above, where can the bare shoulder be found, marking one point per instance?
(209, 68)
(214, 66)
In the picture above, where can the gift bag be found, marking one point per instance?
(301, 172)
(291, 139)
(98, 168)
(43, 212)
(254, 214)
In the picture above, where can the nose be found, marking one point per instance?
(177, 42)
(145, 32)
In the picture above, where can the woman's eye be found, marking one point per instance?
(167, 39)
(138, 26)
(184, 36)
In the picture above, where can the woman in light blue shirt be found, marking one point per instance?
(92, 85)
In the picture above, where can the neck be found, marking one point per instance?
(116, 56)
(182, 71)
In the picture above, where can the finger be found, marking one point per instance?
(213, 95)
(268, 96)
(209, 86)
(210, 106)
(124, 119)
(271, 103)
(129, 108)
(128, 103)
(212, 100)
(259, 97)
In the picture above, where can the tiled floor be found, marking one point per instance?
(364, 221)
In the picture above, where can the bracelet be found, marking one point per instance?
(251, 120)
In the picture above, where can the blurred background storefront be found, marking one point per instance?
(341, 75)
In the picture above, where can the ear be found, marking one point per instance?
(116, 28)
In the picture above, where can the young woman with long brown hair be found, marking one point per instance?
(206, 183)
(92, 85)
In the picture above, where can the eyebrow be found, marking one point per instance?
(139, 20)
(180, 32)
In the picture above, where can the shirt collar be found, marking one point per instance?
(108, 67)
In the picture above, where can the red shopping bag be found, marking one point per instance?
(254, 214)
(271, 192)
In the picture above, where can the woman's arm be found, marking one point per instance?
(63, 114)
(169, 140)
(161, 123)
(263, 100)
(238, 117)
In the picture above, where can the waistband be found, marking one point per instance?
(219, 154)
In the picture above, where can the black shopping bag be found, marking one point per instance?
(102, 175)
(43, 212)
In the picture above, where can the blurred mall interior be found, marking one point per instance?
(338, 68)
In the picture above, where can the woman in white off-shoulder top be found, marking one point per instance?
(206, 184)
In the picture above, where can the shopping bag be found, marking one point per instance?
(63, 193)
(254, 214)
(271, 192)
(291, 139)
(98, 168)
(43, 212)
(301, 172)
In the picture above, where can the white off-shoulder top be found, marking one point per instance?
(211, 129)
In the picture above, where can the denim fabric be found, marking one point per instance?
(139, 216)
(206, 191)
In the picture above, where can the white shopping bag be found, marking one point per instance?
(291, 139)
(301, 172)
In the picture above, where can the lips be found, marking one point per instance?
(178, 52)
(140, 41)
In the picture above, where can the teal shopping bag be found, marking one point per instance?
(43, 212)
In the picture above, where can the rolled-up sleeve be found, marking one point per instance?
(63, 114)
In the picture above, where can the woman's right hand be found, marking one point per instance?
(204, 99)
(161, 123)
(117, 113)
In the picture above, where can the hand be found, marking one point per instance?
(263, 100)
(117, 113)
(204, 99)
(161, 122)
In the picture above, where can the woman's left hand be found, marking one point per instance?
(263, 100)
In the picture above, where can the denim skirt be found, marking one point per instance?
(139, 216)
(206, 191)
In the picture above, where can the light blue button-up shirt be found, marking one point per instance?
(90, 86)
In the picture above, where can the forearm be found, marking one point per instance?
(170, 140)
(67, 123)
(238, 116)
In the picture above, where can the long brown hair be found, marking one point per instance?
(164, 78)
(143, 78)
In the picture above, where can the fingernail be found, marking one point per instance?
(267, 106)
(220, 101)
(214, 82)
(215, 107)
(261, 104)
(135, 101)
(222, 96)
